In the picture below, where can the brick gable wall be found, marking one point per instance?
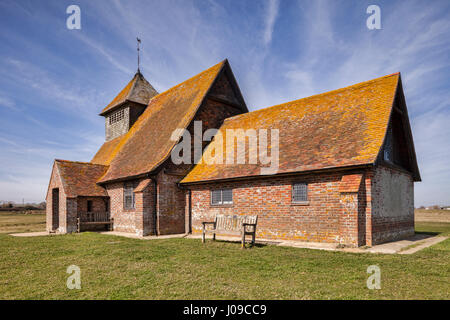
(124, 220)
(67, 207)
(392, 205)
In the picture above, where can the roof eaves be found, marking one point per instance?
(63, 182)
(50, 180)
(283, 174)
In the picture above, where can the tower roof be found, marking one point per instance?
(137, 90)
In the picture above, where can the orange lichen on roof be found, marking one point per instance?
(142, 185)
(121, 96)
(79, 178)
(170, 110)
(137, 90)
(344, 127)
(350, 183)
(107, 151)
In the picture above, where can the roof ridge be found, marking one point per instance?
(135, 78)
(80, 162)
(176, 86)
(334, 91)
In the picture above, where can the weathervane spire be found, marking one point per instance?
(138, 49)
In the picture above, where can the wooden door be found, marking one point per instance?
(55, 209)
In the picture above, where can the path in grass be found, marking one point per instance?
(121, 268)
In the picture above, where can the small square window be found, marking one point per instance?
(116, 116)
(222, 196)
(299, 192)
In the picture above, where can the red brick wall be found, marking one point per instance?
(381, 210)
(71, 215)
(366, 222)
(138, 220)
(55, 182)
(98, 204)
(145, 208)
(278, 217)
(124, 220)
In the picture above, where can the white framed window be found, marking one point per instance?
(299, 192)
(222, 196)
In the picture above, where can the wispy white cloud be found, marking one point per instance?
(7, 103)
(9, 142)
(271, 16)
(72, 99)
(98, 48)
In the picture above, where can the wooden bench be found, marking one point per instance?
(94, 218)
(232, 224)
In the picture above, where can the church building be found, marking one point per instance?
(346, 167)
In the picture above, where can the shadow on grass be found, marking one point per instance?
(247, 245)
(432, 228)
(429, 233)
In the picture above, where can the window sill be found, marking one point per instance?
(221, 205)
(300, 203)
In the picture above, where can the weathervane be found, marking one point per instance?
(138, 49)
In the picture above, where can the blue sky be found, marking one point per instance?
(54, 81)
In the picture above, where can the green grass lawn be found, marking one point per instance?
(121, 268)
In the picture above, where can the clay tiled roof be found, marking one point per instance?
(79, 178)
(137, 90)
(142, 185)
(344, 127)
(107, 151)
(172, 109)
(350, 183)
